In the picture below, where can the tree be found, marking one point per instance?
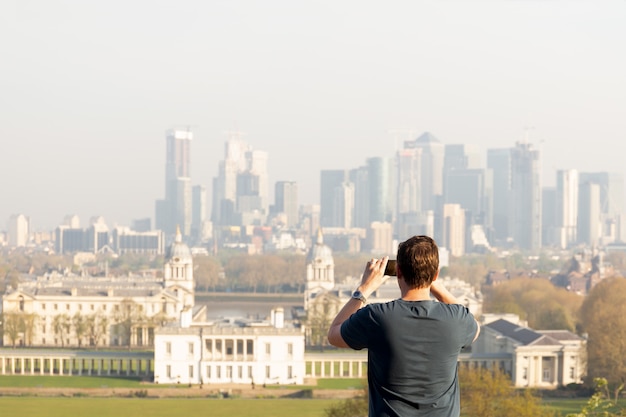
(29, 322)
(320, 315)
(97, 325)
(13, 326)
(61, 325)
(80, 327)
(603, 316)
(484, 393)
(536, 300)
(602, 403)
(127, 314)
(206, 272)
(488, 393)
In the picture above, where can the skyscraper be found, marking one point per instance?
(286, 201)
(240, 189)
(526, 196)
(611, 206)
(499, 162)
(18, 230)
(589, 214)
(566, 207)
(431, 169)
(380, 180)
(454, 229)
(330, 179)
(175, 209)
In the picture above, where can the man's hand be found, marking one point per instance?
(442, 294)
(373, 276)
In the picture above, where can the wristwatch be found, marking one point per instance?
(359, 296)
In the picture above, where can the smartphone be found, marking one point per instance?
(390, 269)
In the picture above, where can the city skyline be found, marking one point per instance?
(85, 107)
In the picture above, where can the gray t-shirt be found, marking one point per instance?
(413, 349)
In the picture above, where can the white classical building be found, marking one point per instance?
(69, 310)
(230, 351)
(533, 358)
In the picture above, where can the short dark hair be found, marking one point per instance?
(418, 259)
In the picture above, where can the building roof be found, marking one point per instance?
(178, 251)
(527, 337)
(320, 251)
(427, 137)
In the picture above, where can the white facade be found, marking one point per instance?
(18, 230)
(69, 310)
(454, 229)
(533, 358)
(237, 352)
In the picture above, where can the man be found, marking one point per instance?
(413, 342)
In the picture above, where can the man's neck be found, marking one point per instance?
(416, 294)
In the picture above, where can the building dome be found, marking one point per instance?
(178, 251)
(320, 252)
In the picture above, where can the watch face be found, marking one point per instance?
(358, 295)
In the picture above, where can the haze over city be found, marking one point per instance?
(88, 90)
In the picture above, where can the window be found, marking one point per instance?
(43, 306)
(572, 372)
(168, 371)
(290, 349)
(268, 349)
(67, 306)
(104, 307)
(267, 372)
(190, 371)
(290, 372)
(80, 307)
(239, 347)
(525, 373)
(21, 303)
(218, 372)
(240, 372)
(191, 348)
(208, 344)
(208, 372)
(249, 347)
(91, 307)
(168, 348)
(229, 372)
(56, 306)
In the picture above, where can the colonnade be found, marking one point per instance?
(25, 362)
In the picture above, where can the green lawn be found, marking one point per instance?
(38, 381)
(129, 407)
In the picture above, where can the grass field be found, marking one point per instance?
(45, 381)
(130, 407)
(37, 406)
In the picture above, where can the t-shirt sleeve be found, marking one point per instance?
(469, 325)
(358, 328)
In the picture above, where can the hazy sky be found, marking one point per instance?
(88, 89)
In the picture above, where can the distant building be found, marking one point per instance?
(238, 351)
(125, 240)
(18, 230)
(533, 358)
(175, 209)
(69, 310)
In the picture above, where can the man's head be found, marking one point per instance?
(418, 261)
